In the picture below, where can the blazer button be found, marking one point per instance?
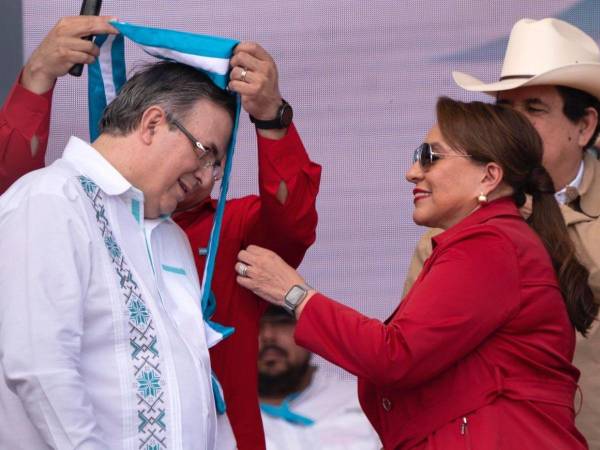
(386, 403)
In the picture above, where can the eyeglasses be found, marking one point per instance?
(425, 155)
(206, 156)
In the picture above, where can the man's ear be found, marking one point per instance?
(151, 119)
(492, 177)
(587, 126)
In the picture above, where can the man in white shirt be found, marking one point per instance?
(301, 406)
(102, 342)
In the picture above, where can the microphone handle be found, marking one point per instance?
(88, 8)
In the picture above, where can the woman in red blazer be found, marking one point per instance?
(478, 354)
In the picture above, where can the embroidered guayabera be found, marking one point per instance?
(151, 412)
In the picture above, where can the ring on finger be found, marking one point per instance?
(243, 75)
(242, 269)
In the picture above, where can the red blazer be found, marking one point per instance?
(477, 355)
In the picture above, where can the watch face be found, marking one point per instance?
(294, 296)
(287, 114)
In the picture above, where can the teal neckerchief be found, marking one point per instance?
(284, 412)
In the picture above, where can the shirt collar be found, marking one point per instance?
(87, 160)
(563, 195)
(504, 206)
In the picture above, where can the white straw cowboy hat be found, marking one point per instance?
(547, 51)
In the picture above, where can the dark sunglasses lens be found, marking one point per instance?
(417, 154)
(425, 158)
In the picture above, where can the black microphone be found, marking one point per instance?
(88, 8)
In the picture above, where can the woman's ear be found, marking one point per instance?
(492, 177)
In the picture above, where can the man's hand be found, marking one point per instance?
(254, 76)
(61, 49)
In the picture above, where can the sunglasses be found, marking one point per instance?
(425, 155)
(205, 155)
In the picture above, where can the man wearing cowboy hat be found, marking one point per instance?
(551, 74)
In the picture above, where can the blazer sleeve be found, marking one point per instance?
(24, 128)
(469, 291)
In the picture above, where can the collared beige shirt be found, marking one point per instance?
(582, 218)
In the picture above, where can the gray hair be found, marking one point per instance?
(173, 86)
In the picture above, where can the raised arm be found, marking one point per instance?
(284, 217)
(446, 315)
(25, 116)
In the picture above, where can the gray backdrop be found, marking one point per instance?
(11, 44)
(363, 77)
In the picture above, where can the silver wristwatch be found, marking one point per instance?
(294, 297)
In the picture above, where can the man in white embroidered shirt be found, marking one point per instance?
(99, 348)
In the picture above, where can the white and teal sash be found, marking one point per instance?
(209, 54)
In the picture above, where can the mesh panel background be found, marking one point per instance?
(363, 78)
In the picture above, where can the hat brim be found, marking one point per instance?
(585, 77)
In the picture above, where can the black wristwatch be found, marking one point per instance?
(283, 118)
(294, 297)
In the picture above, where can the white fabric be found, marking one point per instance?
(226, 438)
(208, 63)
(561, 196)
(105, 61)
(340, 423)
(64, 348)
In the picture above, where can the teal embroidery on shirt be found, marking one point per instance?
(145, 358)
(135, 209)
(172, 269)
(149, 384)
(112, 246)
(137, 311)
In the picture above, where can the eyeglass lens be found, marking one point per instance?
(207, 156)
(424, 155)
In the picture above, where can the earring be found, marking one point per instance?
(482, 199)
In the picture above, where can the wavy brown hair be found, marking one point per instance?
(496, 133)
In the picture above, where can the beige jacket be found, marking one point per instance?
(582, 218)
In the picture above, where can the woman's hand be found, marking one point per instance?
(266, 274)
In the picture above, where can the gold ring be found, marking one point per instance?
(243, 75)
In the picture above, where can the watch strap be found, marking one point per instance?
(283, 118)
